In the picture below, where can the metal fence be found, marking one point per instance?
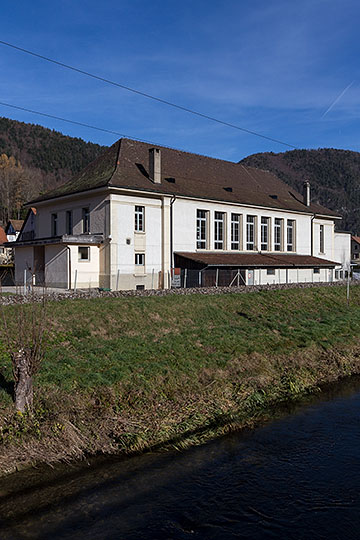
(209, 277)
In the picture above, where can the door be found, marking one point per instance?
(250, 277)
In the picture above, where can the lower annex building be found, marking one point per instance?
(143, 217)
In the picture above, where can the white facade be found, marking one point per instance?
(111, 263)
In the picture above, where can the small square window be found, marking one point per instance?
(270, 271)
(316, 270)
(140, 287)
(139, 259)
(84, 253)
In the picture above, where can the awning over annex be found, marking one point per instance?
(250, 260)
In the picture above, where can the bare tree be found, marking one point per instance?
(24, 337)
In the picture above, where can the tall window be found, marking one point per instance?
(235, 231)
(250, 233)
(322, 239)
(54, 223)
(86, 220)
(290, 235)
(201, 229)
(219, 224)
(139, 218)
(69, 222)
(139, 259)
(265, 234)
(278, 225)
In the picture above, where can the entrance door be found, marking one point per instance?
(250, 277)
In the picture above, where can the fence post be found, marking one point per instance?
(25, 281)
(75, 281)
(185, 278)
(199, 278)
(217, 277)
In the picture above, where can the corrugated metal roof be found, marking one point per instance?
(126, 164)
(256, 260)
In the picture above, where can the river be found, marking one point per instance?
(297, 477)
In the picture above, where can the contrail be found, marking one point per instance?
(337, 99)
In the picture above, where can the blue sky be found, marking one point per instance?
(288, 70)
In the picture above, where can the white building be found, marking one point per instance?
(137, 212)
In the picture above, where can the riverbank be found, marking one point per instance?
(125, 375)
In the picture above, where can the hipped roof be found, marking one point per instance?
(126, 165)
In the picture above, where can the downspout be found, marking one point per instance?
(173, 199)
(312, 235)
(69, 279)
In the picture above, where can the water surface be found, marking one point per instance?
(295, 478)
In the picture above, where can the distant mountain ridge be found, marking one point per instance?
(33, 160)
(49, 158)
(334, 176)
(57, 156)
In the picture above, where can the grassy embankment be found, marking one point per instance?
(129, 374)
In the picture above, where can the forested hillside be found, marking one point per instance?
(334, 176)
(34, 159)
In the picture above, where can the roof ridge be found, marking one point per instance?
(180, 150)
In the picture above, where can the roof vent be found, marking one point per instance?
(155, 165)
(274, 197)
(229, 189)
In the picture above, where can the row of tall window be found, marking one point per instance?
(69, 222)
(283, 232)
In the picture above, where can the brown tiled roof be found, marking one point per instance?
(356, 239)
(256, 260)
(126, 164)
(3, 237)
(16, 223)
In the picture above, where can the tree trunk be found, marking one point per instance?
(23, 381)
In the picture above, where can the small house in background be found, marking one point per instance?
(13, 228)
(5, 252)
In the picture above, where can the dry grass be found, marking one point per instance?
(215, 364)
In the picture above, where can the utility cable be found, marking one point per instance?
(144, 94)
(165, 173)
(76, 123)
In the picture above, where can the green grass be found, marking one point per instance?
(104, 341)
(148, 369)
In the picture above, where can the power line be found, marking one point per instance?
(144, 94)
(170, 174)
(76, 123)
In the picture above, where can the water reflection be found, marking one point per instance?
(297, 477)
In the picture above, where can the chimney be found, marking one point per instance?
(155, 165)
(306, 193)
